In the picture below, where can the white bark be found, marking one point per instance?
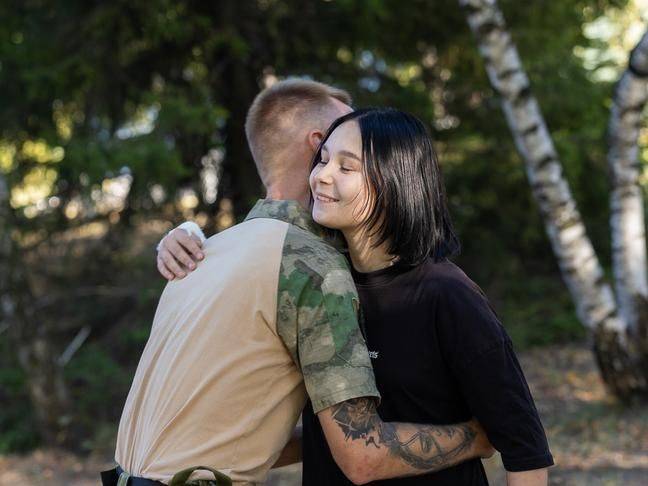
(626, 199)
(577, 259)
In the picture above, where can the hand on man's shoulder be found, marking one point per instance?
(180, 250)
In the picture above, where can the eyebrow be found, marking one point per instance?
(350, 155)
(345, 153)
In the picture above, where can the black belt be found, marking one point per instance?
(110, 478)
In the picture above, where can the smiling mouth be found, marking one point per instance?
(325, 199)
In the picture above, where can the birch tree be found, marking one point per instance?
(626, 200)
(618, 333)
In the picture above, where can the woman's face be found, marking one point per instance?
(340, 192)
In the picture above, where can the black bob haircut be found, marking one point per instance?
(401, 169)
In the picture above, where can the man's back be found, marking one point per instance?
(215, 385)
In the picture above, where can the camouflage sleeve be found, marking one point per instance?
(317, 320)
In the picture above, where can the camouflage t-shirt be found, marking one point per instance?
(317, 310)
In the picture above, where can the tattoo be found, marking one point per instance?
(417, 445)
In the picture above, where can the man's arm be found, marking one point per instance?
(178, 252)
(368, 449)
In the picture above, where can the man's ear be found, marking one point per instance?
(314, 139)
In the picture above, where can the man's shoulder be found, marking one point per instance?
(305, 250)
(313, 274)
(264, 227)
(258, 238)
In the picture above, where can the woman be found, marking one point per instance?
(439, 352)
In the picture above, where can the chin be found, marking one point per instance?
(321, 218)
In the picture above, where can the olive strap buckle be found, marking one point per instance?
(180, 478)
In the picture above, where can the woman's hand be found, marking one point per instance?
(179, 251)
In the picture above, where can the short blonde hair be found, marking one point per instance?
(281, 110)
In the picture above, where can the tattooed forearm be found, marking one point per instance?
(420, 446)
(422, 449)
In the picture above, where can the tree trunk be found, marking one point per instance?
(30, 339)
(240, 181)
(619, 359)
(626, 199)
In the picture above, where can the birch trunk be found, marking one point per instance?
(620, 361)
(626, 199)
(29, 338)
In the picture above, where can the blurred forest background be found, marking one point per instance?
(119, 120)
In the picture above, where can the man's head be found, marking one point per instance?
(284, 126)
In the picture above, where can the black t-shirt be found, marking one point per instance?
(440, 356)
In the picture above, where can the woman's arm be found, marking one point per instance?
(486, 369)
(536, 477)
(292, 452)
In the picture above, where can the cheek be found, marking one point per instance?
(355, 191)
(362, 203)
(311, 178)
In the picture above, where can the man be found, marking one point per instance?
(269, 317)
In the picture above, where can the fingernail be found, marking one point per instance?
(181, 275)
(201, 256)
(192, 266)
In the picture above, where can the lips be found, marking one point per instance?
(325, 199)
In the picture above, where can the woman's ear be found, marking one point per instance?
(314, 139)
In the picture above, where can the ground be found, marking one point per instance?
(595, 441)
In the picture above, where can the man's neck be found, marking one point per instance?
(287, 193)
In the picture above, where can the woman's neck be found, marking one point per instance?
(365, 257)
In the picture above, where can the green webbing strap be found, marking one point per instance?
(180, 478)
(123, 479)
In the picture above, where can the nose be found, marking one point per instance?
(323, 173)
